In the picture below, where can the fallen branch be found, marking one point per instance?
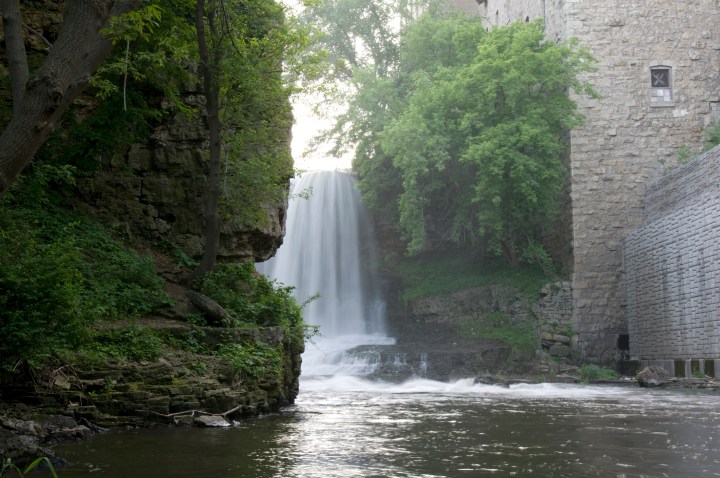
(192, 413)
(37, 33)
(209, 306)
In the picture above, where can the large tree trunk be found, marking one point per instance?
(210, 67)
(15, 48)
(77, 53)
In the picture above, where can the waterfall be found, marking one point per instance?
(329, 249)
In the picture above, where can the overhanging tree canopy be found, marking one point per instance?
(40, 99)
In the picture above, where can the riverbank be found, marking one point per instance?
(28, 431)
(189, 383)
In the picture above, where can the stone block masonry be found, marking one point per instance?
(672, 270)
(629, 136)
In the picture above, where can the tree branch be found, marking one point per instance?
(38, 34)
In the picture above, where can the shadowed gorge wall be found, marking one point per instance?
(157, 190)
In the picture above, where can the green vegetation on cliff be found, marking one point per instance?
(61, 272)
(81, 293)
(70, 290)
(430, 274)
(499, 296)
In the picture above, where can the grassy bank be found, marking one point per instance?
(447, 272)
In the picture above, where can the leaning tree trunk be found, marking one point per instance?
(210, 68)
(77, 53)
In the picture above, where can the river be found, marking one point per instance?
(348, 427)
(343, 425)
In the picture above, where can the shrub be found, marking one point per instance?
(250, 297)
(252, 359)
(593, 373)
(59, 274)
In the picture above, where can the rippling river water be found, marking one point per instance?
(345, 426)
(354, 428)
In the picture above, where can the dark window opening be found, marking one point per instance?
(660, 78)
(623, 345)
(623, 342)
(661, 86)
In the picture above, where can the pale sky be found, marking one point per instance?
(307, 125)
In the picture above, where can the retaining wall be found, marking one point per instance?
(672, 270)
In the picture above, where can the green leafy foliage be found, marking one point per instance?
(712, 136)
(251, 298)
(593, 373)
(9, 467)
(252, 359)
(255, 110)
(131, 342)
(60, 273)
(460, 141)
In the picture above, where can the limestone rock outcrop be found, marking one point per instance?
(156, 190)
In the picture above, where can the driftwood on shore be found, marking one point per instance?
(200, 417)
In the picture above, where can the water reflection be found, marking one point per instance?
(483, 431)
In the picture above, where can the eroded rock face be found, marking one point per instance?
(157, 190)
(434, 334)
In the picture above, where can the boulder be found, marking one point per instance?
(652, 376)
(211, 421)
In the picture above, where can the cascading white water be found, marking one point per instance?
(329, 249)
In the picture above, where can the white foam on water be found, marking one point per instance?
(330, 249)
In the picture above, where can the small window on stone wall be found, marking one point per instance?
(660, 86)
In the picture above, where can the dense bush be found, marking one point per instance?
(252, 359)
(251, 298)
(59, 273)
(461, 143)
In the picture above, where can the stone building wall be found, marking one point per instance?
(470, 7)
(504, 12)
(628, 138)
(673, 268)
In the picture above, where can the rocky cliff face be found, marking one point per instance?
(157, 190)
(435, 336)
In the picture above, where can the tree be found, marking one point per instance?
(467, 147)
(242, 46)
(40, 99)
(362, 39)
(210, 72)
